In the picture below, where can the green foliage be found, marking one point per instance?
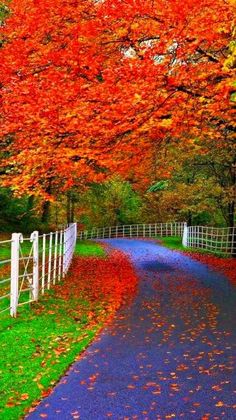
(158, 186)
(16, 214)
(4, 11)
(110, 203)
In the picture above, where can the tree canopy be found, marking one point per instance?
(89, 88)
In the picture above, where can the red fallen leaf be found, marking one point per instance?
(83, 382)
(219, 404)
(45, 393)
(44, 415)
(225, 265)
(111, 281)
(24, 397)
(10, 404)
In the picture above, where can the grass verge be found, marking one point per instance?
(215, 261)
(89, 248)
(37, 347)
(175, 243)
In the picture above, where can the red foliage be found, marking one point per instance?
(225, 265)
(109, 282)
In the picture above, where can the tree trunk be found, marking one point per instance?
(68, 207)
(45, 212)
(30, 204)
(232, 207)
(231, 213)
(189, 221)
(72, 210)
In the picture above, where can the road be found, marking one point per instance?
(169, 355)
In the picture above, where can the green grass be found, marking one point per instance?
(83, 248)
(5, 249)
(175, 243)
(37, 347)
(89, 248)
(172, 242)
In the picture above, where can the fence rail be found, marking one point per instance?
(29, 266)
(219, 240)
(150, 230)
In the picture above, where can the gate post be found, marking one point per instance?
(15, 258)
(185, 235)
(34, 238)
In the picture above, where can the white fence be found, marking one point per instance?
(221, 240)
(29, 266)
(218, 240)
(150, 230)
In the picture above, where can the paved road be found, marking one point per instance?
(167, 356)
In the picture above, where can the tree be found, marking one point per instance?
(201, 187)
(108, 204)
(90, 88)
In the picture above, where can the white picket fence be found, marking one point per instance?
(217, 240)
(29, 266)
(149, 230)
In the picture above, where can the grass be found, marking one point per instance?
(83, 248)
(175, 243)
(172, 242)
(38, 346)
(89, 248)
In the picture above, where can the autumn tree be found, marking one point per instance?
(91, 88)
(112, 202)
(201, 186)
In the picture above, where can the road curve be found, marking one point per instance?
(169, 355)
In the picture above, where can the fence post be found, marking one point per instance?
(185, 235)
(60, 255)
(55, 257)
(34, 238)
(49, 261)
(65, 246)
(43, 263)
(15, 248)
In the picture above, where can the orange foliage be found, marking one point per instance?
(89, 85)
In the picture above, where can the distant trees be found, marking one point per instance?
(110, 203)
(202, 186)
